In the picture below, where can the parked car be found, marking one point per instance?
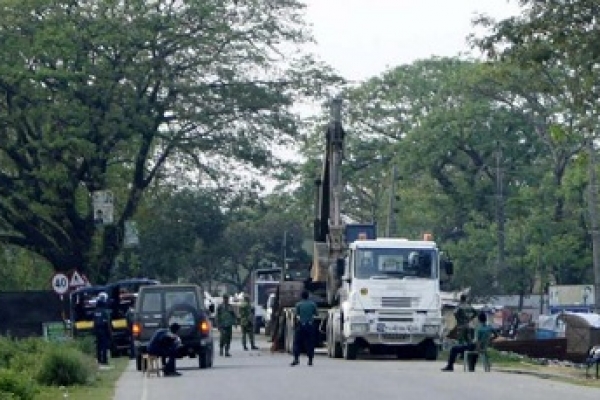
(158, 306)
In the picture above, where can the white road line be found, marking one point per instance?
(144, 387)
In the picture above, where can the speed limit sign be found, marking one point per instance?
(60, 283)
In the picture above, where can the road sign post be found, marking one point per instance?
(60, 283)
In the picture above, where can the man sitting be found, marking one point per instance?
(164, 343)
(483, 335)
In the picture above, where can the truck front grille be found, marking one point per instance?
(396, 302)
(394, 336)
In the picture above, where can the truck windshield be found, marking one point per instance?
(387, 263)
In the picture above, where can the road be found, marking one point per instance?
(260, 375)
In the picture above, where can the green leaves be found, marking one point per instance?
(100, 94)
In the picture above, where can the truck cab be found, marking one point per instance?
(389, 299)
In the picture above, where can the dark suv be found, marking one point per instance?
(159, 306)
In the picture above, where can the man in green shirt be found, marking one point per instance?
(464, 314)
(483, 335)
(305, 331)
(247, 323)
(226, 319)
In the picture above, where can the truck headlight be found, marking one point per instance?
(359, 328)
(431, 329)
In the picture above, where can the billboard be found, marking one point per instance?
(571, 295)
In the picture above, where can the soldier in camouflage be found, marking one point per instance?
(226, 319)
(247, 323)
(464, 314)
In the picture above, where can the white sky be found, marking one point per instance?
(362, 38)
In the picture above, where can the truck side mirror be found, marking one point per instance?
(340, 267)
(449, 267)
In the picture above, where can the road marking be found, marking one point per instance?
(144, 387)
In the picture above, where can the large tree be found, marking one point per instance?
(102, 94)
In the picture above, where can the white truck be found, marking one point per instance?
(390, 300)
(379, 294)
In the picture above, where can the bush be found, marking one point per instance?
(16, 386)
(65, 366)
(87, 345)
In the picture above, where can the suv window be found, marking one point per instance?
(151, 302)
(187, 297)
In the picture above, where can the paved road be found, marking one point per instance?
(261, 375)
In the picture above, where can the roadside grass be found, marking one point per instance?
(518, 364)
(33, 368)
(103, 388)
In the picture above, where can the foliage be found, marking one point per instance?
(65, 367)
(19, 386)
(117, 95)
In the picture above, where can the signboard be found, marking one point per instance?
(60, 283)
(103, 203)
(55, 331)
(571, 295)
(131, 234)
(77, 280)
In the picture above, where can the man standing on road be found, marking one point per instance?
(164, 343)
(225, 320)
(464, 314)
(102, 328)
(305, 330)
(247, 323)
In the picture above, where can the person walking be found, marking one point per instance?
(247, 323)
(304, 337)
(102, 328)
(164, 343)
(226, 319)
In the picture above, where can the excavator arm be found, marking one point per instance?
(329, 244)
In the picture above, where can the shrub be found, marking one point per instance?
(19, 386)
(7, 351)
(65, 366)
(86, 345)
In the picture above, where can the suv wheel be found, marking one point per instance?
(205, 359)
(138, 361)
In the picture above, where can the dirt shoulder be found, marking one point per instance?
(570, 374)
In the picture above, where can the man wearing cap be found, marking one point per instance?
(226, 318)
(102, 328)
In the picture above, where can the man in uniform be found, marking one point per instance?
(305, 330)
(226, 318)
(164, 343)
(464, 314)
(102, 328)
(247, 323)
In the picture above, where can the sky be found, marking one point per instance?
(362, 38)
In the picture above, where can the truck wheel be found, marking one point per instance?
(350, 351)
(430, 350)
(329, 338)
(334, 349)
(289, 337)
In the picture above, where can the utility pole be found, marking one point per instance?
(500, 210)
(593, 210)
(391, 220)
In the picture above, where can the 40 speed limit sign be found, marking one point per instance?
(60, 283)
